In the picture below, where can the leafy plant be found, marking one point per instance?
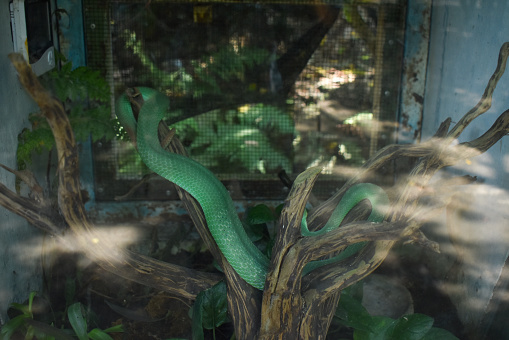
(351, 313)
(229, 64)
(179, 82)
(260, 223)
(85, 95)
(210, 310)
(206, 74)
(25, 324)
(247, 139)
(78, 322)
(19, 322)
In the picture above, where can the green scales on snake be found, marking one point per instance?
(215, 201)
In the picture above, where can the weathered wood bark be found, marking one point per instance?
(178, 280)
(292, 306)
(319, 290)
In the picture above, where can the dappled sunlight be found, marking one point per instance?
(114, 237)
(472, 233)
(30, 249)
(505, 162)
(121, 236)
(257, 105)
(483, 166)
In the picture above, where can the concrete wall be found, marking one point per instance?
(466, 36)
(20, 243)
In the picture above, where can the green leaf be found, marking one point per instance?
(269, 118)
(279, 209)
(197, 317)
(70, 290)
(255, 232)
(115, 329)
(22, 308)
(78, 322)
(439, 334)
(381, 329)
(11, 326)
(86, 95)
(30, 333)
(259, 214)
(353, 314)
(215, 306)
(209, 310)
(97, 334)
(412, 327)
(256, 219)
(31, 297)
(30, 141)
(247, 139)
(408, 327)
(244, 146)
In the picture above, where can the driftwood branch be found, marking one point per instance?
(484, 103)
(407, 202)
(292, 306)
(177, 280)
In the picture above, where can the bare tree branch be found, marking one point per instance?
(292, 306)
(178, 280)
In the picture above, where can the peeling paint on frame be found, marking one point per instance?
(414, 70)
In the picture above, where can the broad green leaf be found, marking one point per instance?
(215, 306)
(408, 327)
(280, 207)
(352, 314)
(412, 327)
(381, 329)
(243, 139)
(269, 118)
(255, 231)
(439, 334)
(30, 141)
(78, 322)
(259, 214)
(197, 317)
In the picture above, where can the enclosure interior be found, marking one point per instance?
(256, 90)
(259, 92)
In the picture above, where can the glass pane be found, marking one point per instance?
(257, 89)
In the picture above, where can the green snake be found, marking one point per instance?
(222, 219)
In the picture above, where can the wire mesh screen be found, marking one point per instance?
(255, 88)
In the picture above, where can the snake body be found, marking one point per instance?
(215, 201)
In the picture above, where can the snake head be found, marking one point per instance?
(135, 99)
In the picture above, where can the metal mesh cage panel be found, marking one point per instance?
(255, 88)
